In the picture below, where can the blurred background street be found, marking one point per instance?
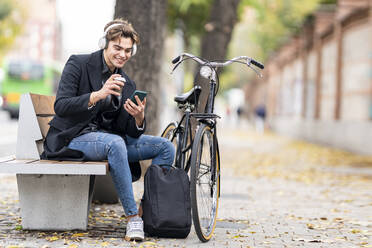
(295, 143)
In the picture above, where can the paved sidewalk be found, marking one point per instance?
(275, 193)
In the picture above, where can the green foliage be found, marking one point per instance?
(11, 18)
(189, 15)
(276, 20)
(5, 9)
(328, 1)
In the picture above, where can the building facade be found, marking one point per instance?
(41, 36)
(318, 86)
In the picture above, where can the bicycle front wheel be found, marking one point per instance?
(205, 183)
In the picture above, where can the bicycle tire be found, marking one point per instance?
(204, 183)
(168, 133)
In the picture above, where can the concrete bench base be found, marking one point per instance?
(54, 202)
(54, 195)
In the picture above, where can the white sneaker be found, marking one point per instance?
(135, 229)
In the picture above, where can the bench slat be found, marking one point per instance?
(23, 161)
(43, 104)
(7, 158)
(43, 124)
(53, 167)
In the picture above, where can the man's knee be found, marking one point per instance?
(117, 144)
(168, 147)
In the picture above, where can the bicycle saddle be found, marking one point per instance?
(191, 96)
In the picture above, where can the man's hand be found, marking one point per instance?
(111, 87)
(137, 111)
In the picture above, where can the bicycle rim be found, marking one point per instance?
(176, 139)
(204, 183)
(168, 133)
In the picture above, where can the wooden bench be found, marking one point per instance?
(54, 195)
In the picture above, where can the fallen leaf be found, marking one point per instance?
(51, 239)
(18, 227)
(104, 244)
(310, 226)
(147, 244)
(78, 235)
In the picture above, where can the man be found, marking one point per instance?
(95, 120)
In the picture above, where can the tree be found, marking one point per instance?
(149, 20)
(11, 17)
(222, 19)
(190, 16)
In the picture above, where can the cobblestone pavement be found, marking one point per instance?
(275, 193)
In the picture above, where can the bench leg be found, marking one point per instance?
(104, 190)
(54, 202)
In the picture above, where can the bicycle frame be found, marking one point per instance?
(182, 148)
(186, 131)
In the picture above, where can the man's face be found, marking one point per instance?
(118, 52)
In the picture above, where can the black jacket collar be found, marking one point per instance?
(94, 67)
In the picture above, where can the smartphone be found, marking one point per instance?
(141, 94)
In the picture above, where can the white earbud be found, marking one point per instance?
(102, 41)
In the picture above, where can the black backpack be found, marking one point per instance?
(166, 203)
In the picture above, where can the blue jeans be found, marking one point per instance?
(119, 152)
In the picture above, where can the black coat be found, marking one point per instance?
(82, 75)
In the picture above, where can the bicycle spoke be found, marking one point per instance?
(207, 211)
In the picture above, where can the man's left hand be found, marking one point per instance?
(137, 111)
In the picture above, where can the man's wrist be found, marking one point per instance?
(139, 123)
(92, 99)
(140, 126)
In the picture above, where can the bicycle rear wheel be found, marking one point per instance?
(175, 138)
(205, 183)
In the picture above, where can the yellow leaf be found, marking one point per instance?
(54, 238)
(147, 244)
(78, 235)
(73, 246)
(355, 231)
(310, 226)
(104, 244)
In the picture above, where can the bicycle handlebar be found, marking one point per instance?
(218, 64)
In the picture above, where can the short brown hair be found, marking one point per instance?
(125, 30)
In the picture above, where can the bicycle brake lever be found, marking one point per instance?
(254, 69)
(178, 63)
(175, 67)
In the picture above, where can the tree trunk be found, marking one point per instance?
(149, 20)
(222, 20)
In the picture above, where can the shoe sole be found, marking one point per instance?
(133, 238)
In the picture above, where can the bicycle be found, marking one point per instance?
(201, 153)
